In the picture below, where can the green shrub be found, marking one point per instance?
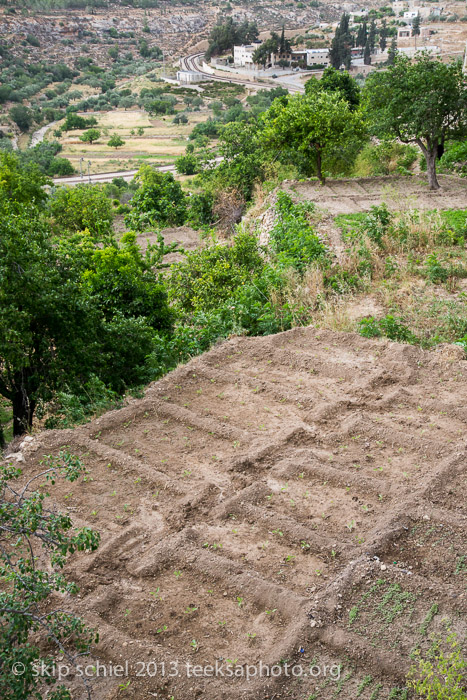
(434, 270)
(82, 207)
(292, 238)
(454, 157)
(208, 277)
(160, 201)
(441, 674)
(389, 326)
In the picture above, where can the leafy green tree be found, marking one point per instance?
(22, 116)
(209, 276)
(90, 136)
(341, 82)
(44, 156)
(160, 201)
(115, 141)
(30, 623)
(73, 310)
(180, 118)
(82, 207)
(262, 54)
(187, 164)
(241, 148)
(225, 35)
(46, 325)
(422, 102)
(75, 121)
(21, 185)
(320, 127)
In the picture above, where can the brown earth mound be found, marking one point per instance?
(296, 500)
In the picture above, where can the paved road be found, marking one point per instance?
(193, 63)
(106, 177)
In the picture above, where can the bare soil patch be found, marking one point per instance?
(349, 196)
(297, 499)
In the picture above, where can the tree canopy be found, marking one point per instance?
(422, 101)
(225, 35)
(320, 127)
(334, 80)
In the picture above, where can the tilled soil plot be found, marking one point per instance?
(296, 501)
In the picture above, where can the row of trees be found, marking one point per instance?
(225, 35)
(366, 38)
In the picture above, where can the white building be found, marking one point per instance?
(243, 55)
(317, 57)
(410, 14)
(190, 76)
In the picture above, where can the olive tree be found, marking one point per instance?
(422, 101)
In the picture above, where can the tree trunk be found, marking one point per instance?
(319, 167)
(430, 158)
(430, 151)
(23, 411)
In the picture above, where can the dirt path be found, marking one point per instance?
(296, 497)
(348, 196)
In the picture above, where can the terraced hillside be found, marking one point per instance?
(297, 499)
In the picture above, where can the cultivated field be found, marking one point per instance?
(296, 499)
(161, 143)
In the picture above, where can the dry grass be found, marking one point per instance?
(162, 140)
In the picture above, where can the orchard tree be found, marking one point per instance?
(422, 102)
(21, 185)
(22, 116)
(82, 207)
(320, 127)
(115, 141)
(90, 136)
(334, 80)
(159, 201)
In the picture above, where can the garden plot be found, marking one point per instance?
(285, 499)
(435, 550)
(396, 611)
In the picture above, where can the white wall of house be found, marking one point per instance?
(243, 55)
(317, 57)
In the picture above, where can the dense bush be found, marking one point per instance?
(208, 277)
(160, 201)
(292, 238)
(82, 207)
